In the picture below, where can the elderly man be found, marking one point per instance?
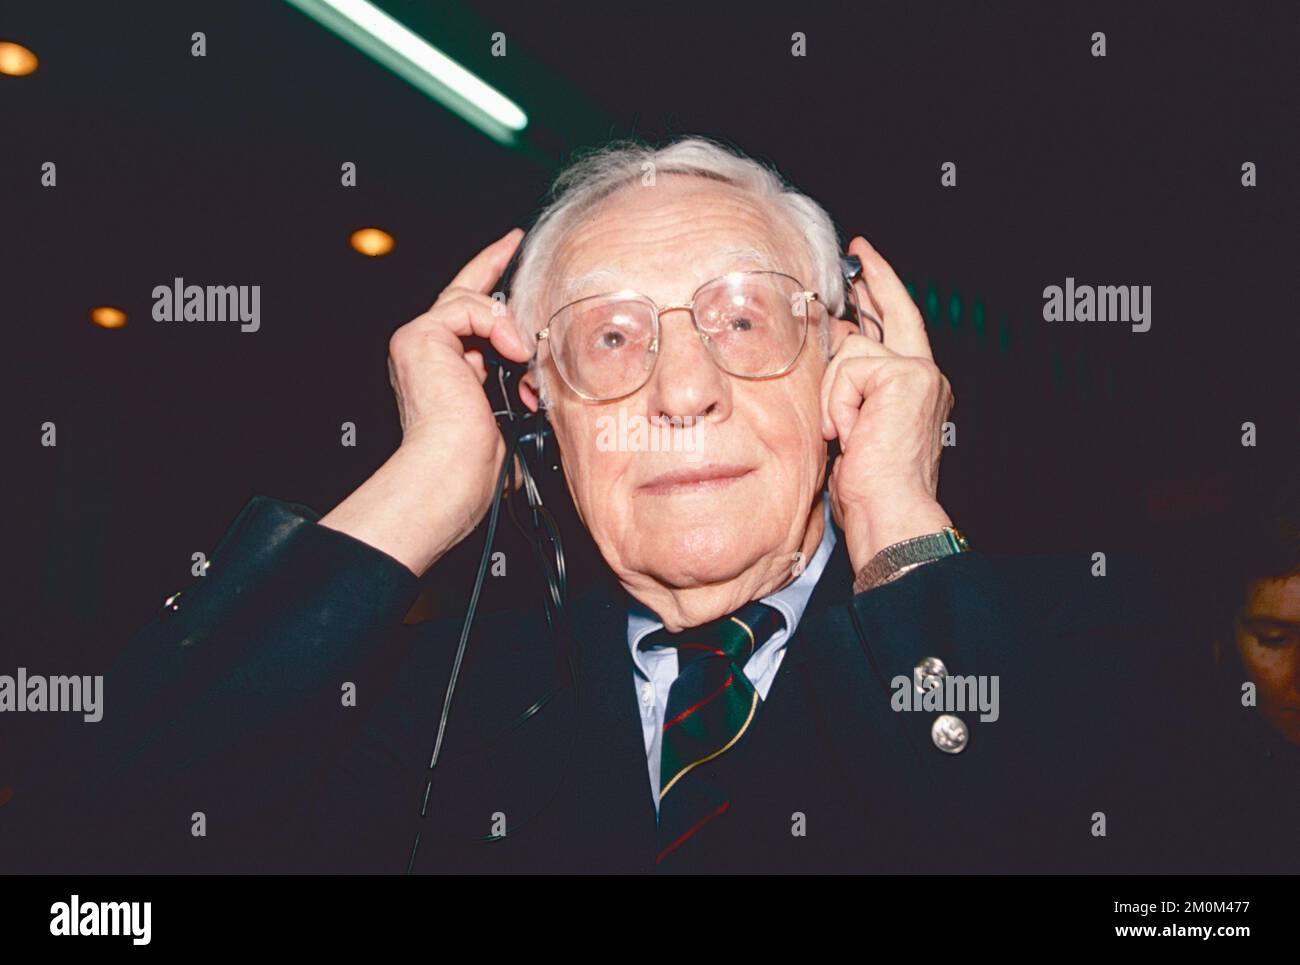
(759, 683)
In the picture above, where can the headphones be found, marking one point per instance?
(521, 430)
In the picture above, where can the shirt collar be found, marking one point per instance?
(790, 600)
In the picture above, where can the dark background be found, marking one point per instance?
(225, 170)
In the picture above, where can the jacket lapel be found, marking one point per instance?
(610, 797)
(847, 689)
(828, 728)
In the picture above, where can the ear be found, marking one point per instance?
(840, 330)
(528, 391)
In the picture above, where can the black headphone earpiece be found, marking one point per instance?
(851, 270)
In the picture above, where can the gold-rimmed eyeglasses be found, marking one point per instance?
(753, 323)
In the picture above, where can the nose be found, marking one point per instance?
(685, 381)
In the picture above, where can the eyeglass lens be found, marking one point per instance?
(753, 324)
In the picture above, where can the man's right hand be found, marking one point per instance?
(436, 488)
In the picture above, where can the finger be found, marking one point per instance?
(853, 383)
(853, 346)
(483, 270)
(904, 327)
(479, 315)
(465, 313)
(475, 360)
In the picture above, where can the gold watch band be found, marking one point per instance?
(897, 559)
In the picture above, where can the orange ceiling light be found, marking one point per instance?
(372, 242)
(16, 60)
(106, 316)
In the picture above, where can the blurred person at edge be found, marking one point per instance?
(1251, 679)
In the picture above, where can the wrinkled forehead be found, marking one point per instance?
(667, 240)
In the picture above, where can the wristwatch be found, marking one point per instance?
(899, 558)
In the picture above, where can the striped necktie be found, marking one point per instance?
(711, 705)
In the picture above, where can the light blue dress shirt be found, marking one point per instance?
(657, 669)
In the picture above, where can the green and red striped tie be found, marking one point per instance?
(711, 706)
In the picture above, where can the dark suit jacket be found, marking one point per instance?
(227, 744)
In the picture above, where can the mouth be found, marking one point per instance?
(695, 479)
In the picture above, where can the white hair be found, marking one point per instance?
(595, 176)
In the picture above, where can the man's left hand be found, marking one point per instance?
(886, 403)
